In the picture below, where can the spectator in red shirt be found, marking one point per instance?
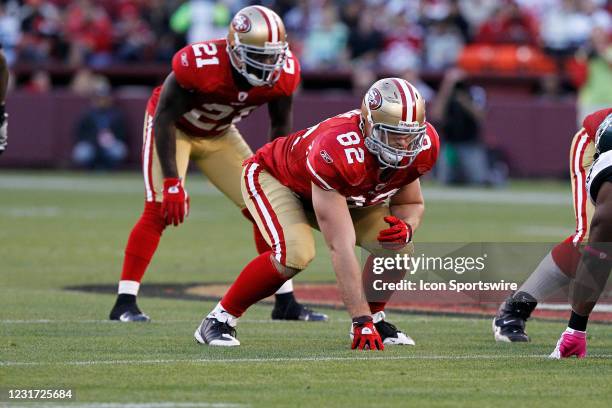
(509, 25)
(90, 32)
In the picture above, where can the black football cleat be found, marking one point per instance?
(126, 310)
(216, 333)
(509, 323)
(128, 313)
(296, 311)
(390, 334)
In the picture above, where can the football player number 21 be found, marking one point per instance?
(352, 153)
(205, 49)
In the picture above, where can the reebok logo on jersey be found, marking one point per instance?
(328, 159)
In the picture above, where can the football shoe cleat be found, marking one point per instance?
(217, 329)
(389, 333)
(571, 343)
(296, 311)
(509, 323)
(128, 313)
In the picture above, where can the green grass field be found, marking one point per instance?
(59, 230)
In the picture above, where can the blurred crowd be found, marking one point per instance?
(366, 38)
(327, 34)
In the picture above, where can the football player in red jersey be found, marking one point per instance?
(213, 84)
(559, 266)
(355, 177)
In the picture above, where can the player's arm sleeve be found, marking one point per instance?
(291, 75)
(321, 172)
(600, 172)
(184, 68)
(280, 114)
(431, 150)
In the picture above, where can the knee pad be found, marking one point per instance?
(299, 254)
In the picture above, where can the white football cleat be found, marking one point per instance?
(217, 329)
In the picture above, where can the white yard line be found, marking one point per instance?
(279, 360)
(167, 404)
(196, 321)
(544, 230)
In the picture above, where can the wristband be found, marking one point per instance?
(359, 320)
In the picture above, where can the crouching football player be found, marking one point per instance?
(559, 266)
(213, 84)
(354, 176)
(596, 260)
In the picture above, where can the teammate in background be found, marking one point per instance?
(354, 176)
(4, 75)
(556, 270)
(213, 84)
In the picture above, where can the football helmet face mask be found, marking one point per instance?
(393, 120)
(257, 45)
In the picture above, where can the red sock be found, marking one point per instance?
(143, 242)
(566, 256)
(258, 280)
(377, 299)
(260, 242)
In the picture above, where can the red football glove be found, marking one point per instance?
(365, 335)
(175, 204)
(397, 236)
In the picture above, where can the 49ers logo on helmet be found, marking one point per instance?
(374, 99)
(241, 23)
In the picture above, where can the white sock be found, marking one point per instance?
(128, 287)
(223, 315)
(572, 331)
(286, 288)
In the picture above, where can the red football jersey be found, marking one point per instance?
(592, 122)
(332, 154)
(205, 68)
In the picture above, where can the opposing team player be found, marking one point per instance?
(558, 267)
(355, 177)
(213, 84)
(596, 260)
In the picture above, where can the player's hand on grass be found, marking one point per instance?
(397, 236)
(365, 335)
(175, 204)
